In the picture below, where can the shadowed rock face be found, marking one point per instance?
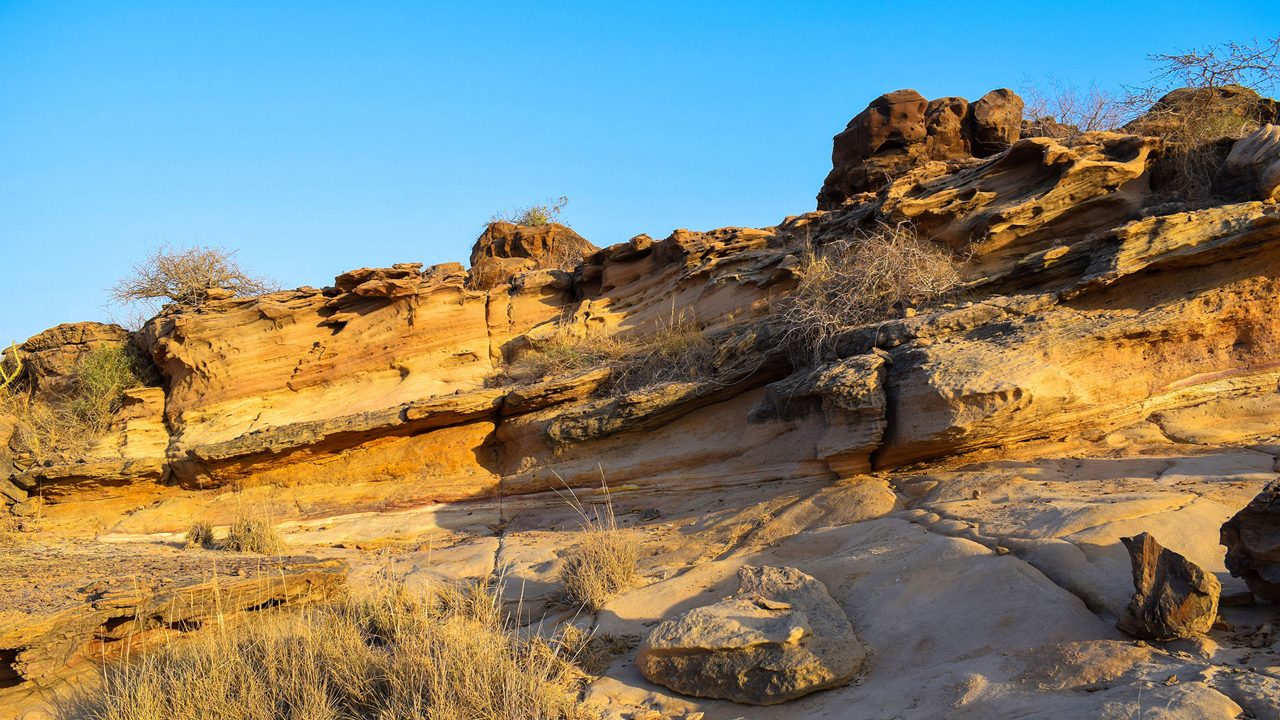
(780, 637)
(1252, 539)
(902, 129)
(1173, 597)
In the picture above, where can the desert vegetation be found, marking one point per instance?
(247, 534)
(602, 561)
(186, 276)
(862, 279)
(533, 215)
(678, 350)
(66, 426)
(1194, 100)
(451, 653)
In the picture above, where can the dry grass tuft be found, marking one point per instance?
(448, 655)
(679, 351)
(252, 534)
(200, 534)
(603, 560)
(863, 280)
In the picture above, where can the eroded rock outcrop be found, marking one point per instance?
(1173, 597)
(50, 358)
(780, 637)
(505, 250)
(1252, 168)
(1252, 539)
(901, 129)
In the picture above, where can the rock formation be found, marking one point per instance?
(505, 250)
(1252, 539)
(1105, 367)
(898, 130)
(1252, 168)
(779, 638)
(1173, 598)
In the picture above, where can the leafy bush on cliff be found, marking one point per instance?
(186, 276)
(450, 654)
(533, 215)
(863, 280)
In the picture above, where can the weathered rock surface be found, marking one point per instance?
(61, 607)
(1107, 368)
(505, 250)
(1252, 539)
(50, 358)
(901, 129)
(1173, 597)
(779, 638)
(1252, 168)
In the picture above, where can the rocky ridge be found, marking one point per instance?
(1107, 368)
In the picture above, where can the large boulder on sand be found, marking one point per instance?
(780, 637)
(1173, 597)
(1252, 539)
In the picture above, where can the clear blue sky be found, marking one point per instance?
(320, 136)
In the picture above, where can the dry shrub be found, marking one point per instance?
(252, 534)
(534, 215)
(1061, 111)
(603, 560)
(448, 655)
(862, 280)
(200, 534)
(185, 276)
(679, 351)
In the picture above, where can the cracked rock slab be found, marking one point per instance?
(780, 637)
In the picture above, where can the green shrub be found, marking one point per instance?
(101, 376)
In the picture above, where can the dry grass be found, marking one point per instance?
(66, 428)
(451, 654)
(679, 351)
(200, 534)
(185, 276)
(252, 534)
(534, 215)
(862, 280)
(603, 560)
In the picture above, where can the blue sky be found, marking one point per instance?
(315, 137)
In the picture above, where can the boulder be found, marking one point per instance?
(1252, 539)
(902, 129)
(1173, 597)
(505, 249)
(50, 358)
(996, 122)
(1252, 168)
(780, 637)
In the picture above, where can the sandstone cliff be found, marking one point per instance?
(958, 474)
